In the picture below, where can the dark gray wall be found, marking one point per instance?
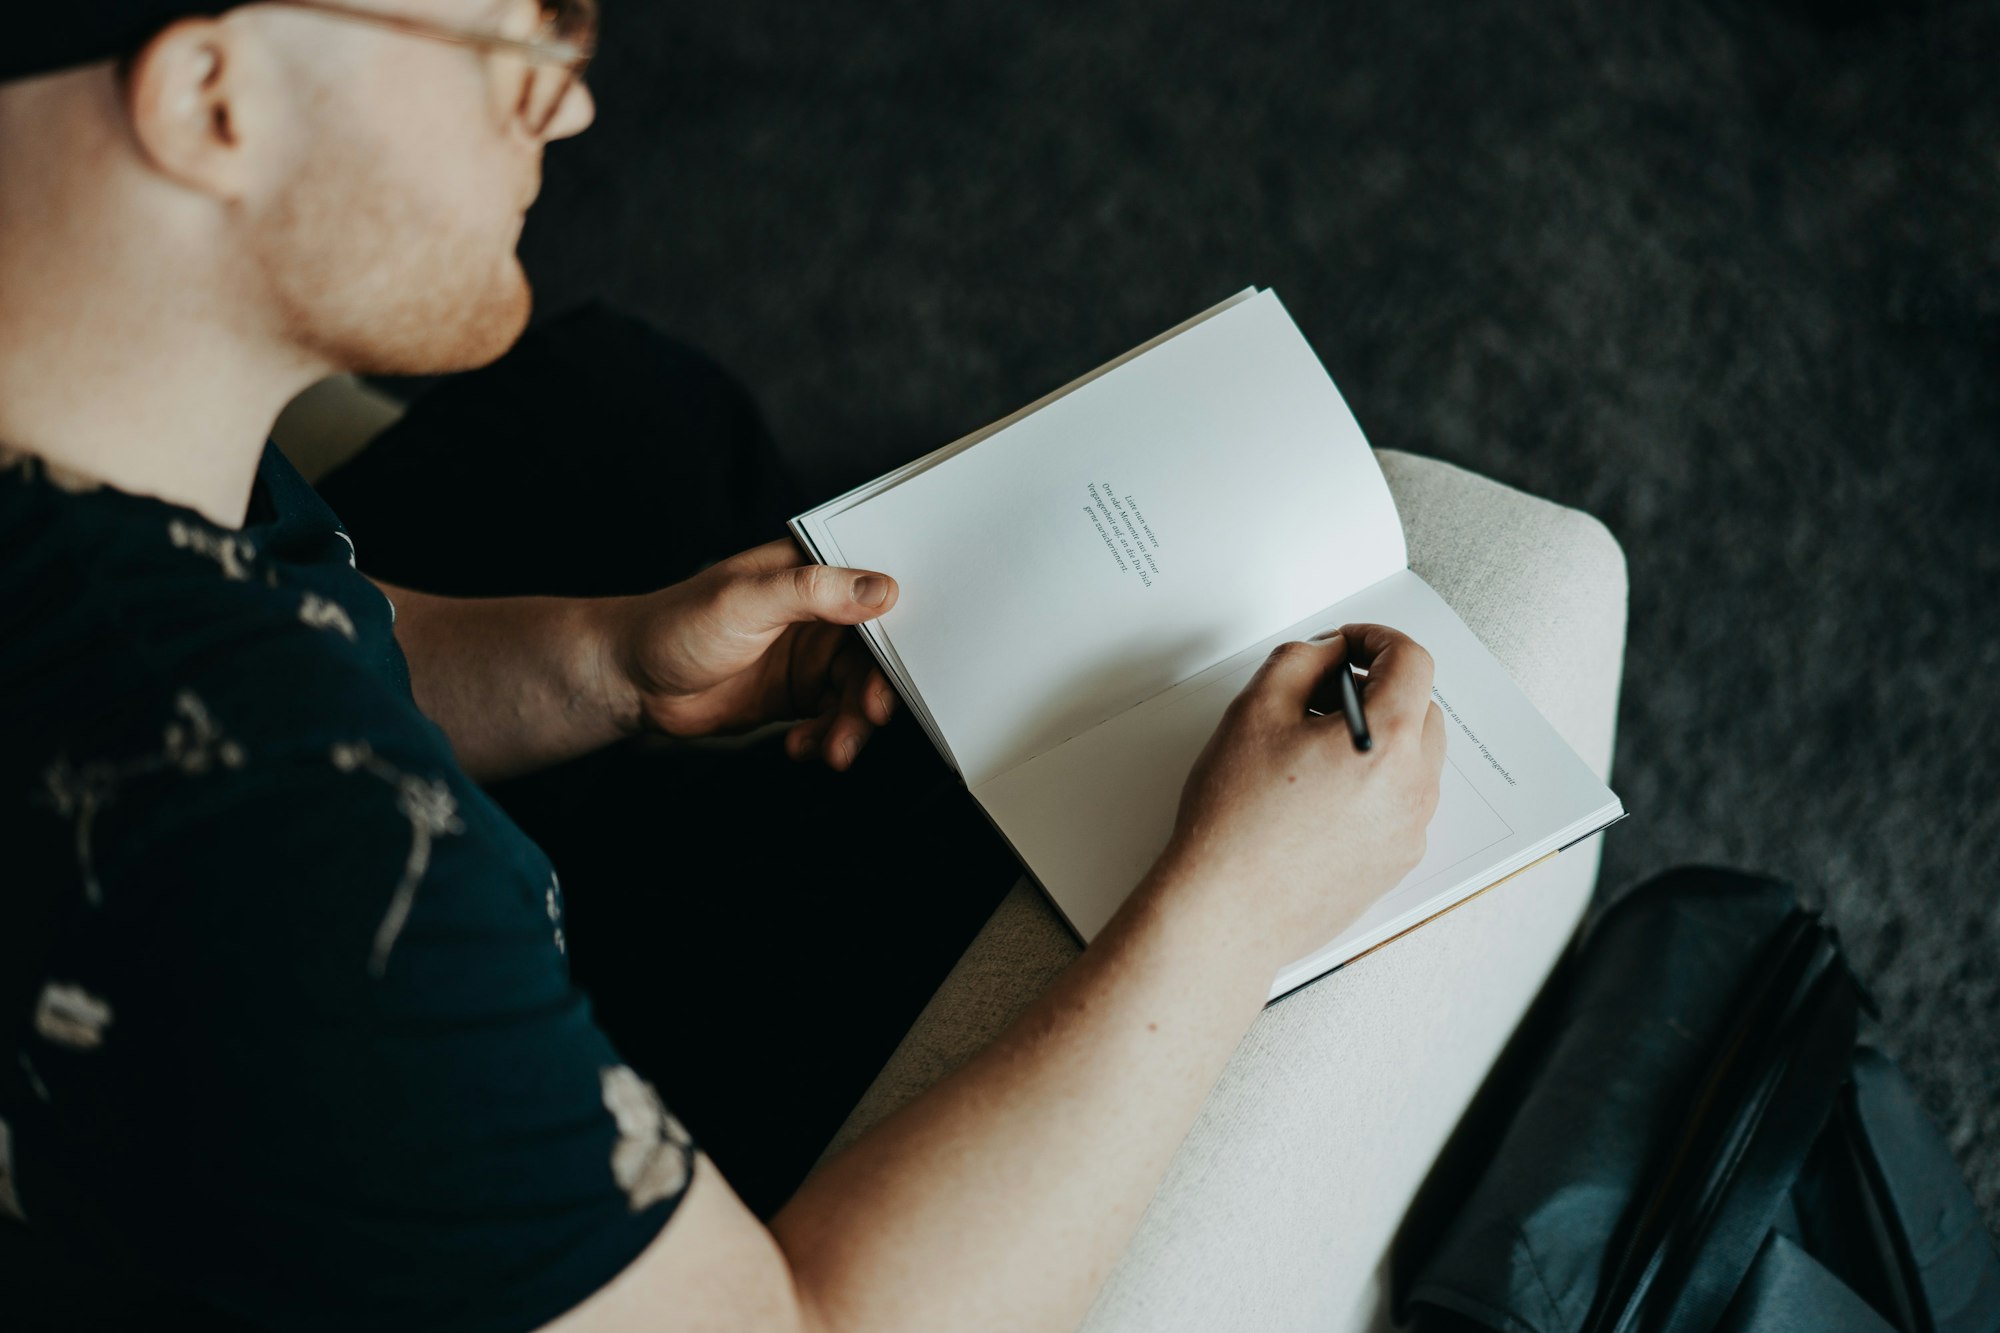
(1726, 275)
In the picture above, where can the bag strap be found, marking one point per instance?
(1896, 1271)
(1760, 1105)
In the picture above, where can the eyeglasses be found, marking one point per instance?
(556, 55)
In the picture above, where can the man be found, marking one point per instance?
(291, 1033)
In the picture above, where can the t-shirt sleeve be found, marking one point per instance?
(328, 1070)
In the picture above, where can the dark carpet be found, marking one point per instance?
(1726, 275)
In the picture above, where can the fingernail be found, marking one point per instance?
(1326, 634)
(871, 589)
(848, 749)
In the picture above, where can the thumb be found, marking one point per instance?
(782, 597)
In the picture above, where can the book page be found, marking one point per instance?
(810, 528)
(1089, 817)
(1126, 536)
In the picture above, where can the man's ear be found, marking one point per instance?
(186, 95)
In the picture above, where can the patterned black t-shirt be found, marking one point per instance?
(286, 1025)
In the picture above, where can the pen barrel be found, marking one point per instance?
(1337, 694)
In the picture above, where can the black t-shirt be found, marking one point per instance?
(286, 1024)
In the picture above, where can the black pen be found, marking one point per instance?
(1340, 679)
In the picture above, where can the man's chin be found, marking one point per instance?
(471, 335)
(490, 339)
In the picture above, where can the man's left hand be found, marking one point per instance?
(759, 637)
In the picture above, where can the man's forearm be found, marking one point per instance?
(517, 683)
(1001, 1198)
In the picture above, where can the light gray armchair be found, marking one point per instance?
(1278, 1211)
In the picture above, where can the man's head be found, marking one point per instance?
(348, 185)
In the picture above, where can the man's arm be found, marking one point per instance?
(517, 683)
(1002, 1197)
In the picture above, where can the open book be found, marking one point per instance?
(1086, 584)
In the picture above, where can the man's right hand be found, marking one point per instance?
(1284, 815)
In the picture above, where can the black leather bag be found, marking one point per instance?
(1692, 1132)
